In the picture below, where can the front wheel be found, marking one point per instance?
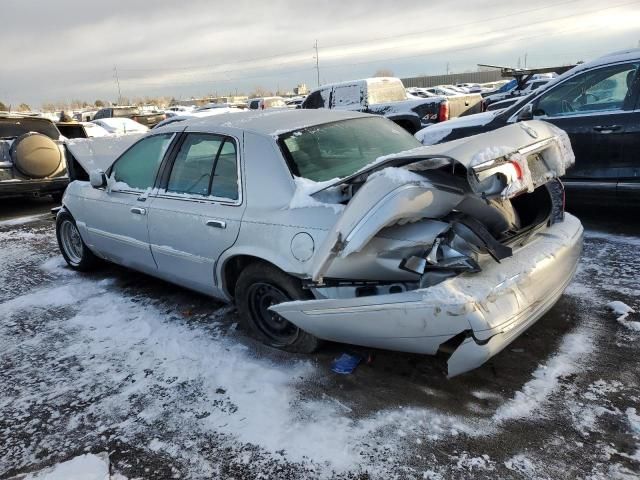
(73, 249)
(259, 287)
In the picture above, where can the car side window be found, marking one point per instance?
(193, 166)
(602, 90)
(225, 176)
(314, 100)
(136, 168)
(206, 165)
(347, 96)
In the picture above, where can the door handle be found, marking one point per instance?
(216, 223)
(607, 129)
(139, 211)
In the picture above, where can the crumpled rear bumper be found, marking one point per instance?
(492, 307)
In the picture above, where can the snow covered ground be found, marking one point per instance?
(120, 373)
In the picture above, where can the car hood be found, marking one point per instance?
(99, 153)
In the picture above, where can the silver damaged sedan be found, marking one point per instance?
(328, 225)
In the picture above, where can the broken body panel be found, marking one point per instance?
(463, 275)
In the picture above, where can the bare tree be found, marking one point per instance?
(260, 92)
(23, 107)
(3, 107)
(49, 107)
(384, 72)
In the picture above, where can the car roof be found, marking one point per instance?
(270, 122)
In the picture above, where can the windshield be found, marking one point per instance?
(385, 91)
(123, 112)
(339, 149)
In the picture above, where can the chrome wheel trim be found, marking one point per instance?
(71, 242)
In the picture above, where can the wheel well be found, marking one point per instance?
(407, 125)
(234, 266)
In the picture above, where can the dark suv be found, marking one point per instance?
(32, 157)
(134, 113)
(598, 105)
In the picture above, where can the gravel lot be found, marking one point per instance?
(162, 380)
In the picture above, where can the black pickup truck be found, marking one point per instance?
(598, 104)
(134, 113)
(387, 96)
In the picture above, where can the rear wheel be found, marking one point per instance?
(259, 287)
(73, 249)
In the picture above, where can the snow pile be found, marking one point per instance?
(469, 463)
(546, 378)
(304, 188)
(57, 266)
(490, 153)
(521, 464)
(84, 467)
(623, 310)
(398, 175)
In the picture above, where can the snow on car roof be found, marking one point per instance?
(272, 122)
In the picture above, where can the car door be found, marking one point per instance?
(628, 188)
(196, 214)
(595, 108)
(116, 216)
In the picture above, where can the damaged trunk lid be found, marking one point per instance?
(443, 182)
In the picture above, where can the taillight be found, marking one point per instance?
(443, 112)
(517, 168)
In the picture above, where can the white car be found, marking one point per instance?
(95, 130)
(120, 125)
(340, 226)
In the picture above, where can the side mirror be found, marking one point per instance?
(98, 179)
(526, 113)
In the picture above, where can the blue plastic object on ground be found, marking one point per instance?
(345, 363)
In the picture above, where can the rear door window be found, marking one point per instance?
(206, 165)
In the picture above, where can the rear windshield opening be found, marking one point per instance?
(339, 149)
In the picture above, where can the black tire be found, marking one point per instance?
(73, 249)
(260, 285)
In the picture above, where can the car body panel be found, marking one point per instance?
(506, 297)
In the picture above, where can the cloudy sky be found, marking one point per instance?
(58, 50)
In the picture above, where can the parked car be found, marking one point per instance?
(597, 104)
(32, 157)
(148, 119)
(515, 93)
(120, 126)
(266, 102)
(387, 96)
(340, 226)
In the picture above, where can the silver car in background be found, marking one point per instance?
(329, 225)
